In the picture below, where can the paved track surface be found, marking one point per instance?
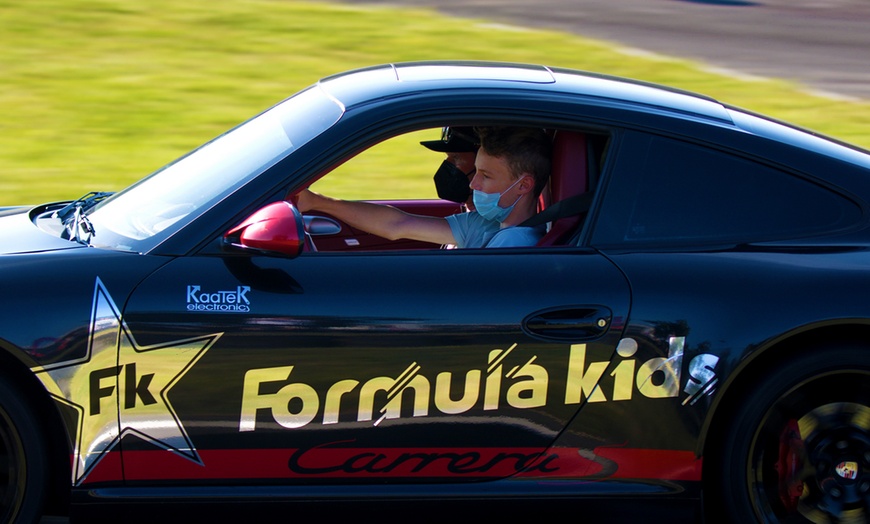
(822, 44)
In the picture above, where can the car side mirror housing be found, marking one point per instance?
(276, 229)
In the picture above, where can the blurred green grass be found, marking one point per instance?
(95, 94)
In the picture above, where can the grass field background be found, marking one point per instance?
(95, 94)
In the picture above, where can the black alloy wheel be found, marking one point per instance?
(23, 469)
(798, 450)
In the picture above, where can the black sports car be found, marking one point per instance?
(694, 339)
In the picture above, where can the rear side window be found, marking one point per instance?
(671, 192)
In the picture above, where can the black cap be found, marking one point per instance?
(454, 140)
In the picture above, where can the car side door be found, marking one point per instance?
(443, 365)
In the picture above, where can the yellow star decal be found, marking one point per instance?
(120, 387)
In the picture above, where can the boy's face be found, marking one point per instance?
(493, 175)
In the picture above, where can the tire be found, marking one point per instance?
(798, 448)
(23, 465)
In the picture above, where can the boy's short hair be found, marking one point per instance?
(526, 150)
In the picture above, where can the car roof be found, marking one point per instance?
(361, 86)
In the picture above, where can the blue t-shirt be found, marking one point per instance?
(472, 230)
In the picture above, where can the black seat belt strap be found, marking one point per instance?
(567, 207)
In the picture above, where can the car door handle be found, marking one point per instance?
(572, 323)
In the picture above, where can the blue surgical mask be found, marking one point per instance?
(487, 204)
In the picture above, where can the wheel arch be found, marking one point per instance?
(754, 367)
(50, 421)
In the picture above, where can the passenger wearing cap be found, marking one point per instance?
(453, 177)
(511, 169)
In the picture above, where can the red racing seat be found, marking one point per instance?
(569, 177)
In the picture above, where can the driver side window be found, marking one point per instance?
(507, 165)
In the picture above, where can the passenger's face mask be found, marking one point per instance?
(451, 183)
(487, 204)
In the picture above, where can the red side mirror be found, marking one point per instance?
(274, 229)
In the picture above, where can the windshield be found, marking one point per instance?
(143, 215)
